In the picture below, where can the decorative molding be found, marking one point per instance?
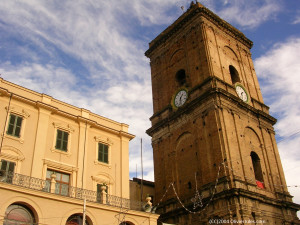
(7, 151)
(104, 140)
(60, 166)
(64, 127)
(22, 112)
(100, 179)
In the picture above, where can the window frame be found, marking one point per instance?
(103, 153)
(64, 128)
(63, 144)
(17, 206)
(104, 141)
(14, 125)
(8, 175)
(60, 182)
(21, 114)
(98, 188)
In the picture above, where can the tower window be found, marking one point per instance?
(257, 167)
(234, 74)
(189, 185)
(181, 77)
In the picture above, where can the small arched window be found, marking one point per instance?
(189, 185)
(77, 219)
(234, 75)
(126, 223)
(18, 214)
(257, 167)
(181, 77)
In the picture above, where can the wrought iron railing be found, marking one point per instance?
(68, 191)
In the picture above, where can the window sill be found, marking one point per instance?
(96, 162)
(19, 139)
(67, 153)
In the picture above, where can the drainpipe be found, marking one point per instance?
(11, 94)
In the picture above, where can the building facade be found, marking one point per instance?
(215, 153)
(141, 189)
(57, 159)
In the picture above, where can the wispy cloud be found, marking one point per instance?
(246, 14)
(296, 20)
(91, 54)
(279, 71)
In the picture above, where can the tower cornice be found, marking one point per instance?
(196, 10)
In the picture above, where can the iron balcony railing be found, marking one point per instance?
(68, 191)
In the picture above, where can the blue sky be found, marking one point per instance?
(91, 54)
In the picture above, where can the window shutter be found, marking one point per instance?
(105, 153)
(65, 141)
(10, 129)
(18, 126)
(3, 164)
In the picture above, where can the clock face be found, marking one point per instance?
(241, 92)
(180, 98)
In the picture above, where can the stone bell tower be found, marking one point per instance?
(215, 154)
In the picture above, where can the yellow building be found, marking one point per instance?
(57, 158)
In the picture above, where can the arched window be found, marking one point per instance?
(234, 74)
(181, 77)
(76, 219)
(18, 214)
(126, 223)
(257, 167)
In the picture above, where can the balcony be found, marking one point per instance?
(68, 191)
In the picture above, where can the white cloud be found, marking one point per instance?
(297, 18)
(279, 71)
(102, 37)
(248, 14)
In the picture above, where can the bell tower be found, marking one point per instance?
(214, 148)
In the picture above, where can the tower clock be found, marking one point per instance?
(214, 148)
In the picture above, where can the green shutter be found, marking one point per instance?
(10, 129)
(58, 138)
(18, 126)
(105, 155)
(102, 153)
(62, 140)
(3, 165)
(14, 125)
(65, 141)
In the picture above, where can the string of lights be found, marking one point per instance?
(197, 200)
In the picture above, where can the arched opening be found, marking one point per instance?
(126, 223)
(77, 219)
(17, 214)
(181, 77)
(234, 75)
(257, 167)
